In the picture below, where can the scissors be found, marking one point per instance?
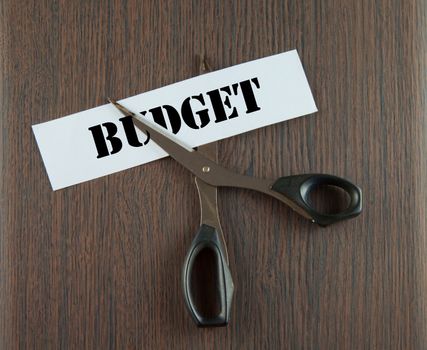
(292, 190)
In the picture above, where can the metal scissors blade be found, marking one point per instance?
(202, 167)
(208, 197)
(195, 162)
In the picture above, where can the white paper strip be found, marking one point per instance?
(207, 108)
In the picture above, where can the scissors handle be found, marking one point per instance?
(208, 238)
(297, 188)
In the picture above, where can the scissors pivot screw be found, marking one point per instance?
(206, 169)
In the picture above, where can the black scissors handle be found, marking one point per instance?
(297, 188)
(208, 238)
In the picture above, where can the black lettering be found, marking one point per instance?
(248, 95)
(101, 145)
(218, 104)
(188, 115)
(173, 115)
(130, 131)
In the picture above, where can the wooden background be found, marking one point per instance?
(97, 265)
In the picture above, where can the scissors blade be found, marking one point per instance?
(195, 162)
(210, 151)
(208, 194)
(201, 166)
(204, 168)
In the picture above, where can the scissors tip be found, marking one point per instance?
(121, 108)
(204, 65)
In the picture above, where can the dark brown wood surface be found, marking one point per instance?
(98, 265)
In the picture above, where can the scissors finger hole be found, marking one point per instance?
(327, 199)
(204, 282)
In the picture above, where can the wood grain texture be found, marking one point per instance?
(97, 265)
